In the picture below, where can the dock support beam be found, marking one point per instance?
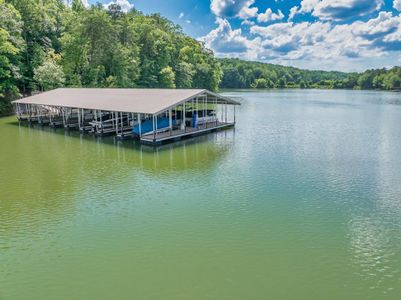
(170, 120)
(183, 117)
(140, 125)
(79, 119)
(154, 129)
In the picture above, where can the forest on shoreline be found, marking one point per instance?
(248, 74)
(46, 44)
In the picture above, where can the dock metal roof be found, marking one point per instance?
(148, 101)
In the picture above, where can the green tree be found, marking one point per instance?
(282, 82)
(11, 44)
(49, 75)
(185, 72)
(8, 88)
(260, 83)
(167, 78)
(42, 27)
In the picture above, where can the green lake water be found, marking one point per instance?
(302, 200)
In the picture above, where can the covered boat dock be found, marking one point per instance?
(153, 116)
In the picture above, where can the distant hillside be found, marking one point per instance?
(247, 74)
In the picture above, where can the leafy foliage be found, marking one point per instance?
(11, 45)
(246, 74)
(46, 44)
(49, 75)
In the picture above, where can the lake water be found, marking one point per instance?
(302, 200)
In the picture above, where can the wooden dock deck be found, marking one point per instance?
(174, 135)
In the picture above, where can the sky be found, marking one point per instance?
(344, 35)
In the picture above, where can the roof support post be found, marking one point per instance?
(38, 114)
(184, 117)
(100, 125)
(226, 112)
(122, 124)
(115, 121)
(197, 112)
(215, 111)
(154, 129)
(205, 110)
(18, 111)
(63, 112)
(83, 118)
(28, 111)
(140, 125)
(156, 123)
(192, 110)
(222, 112)
(170, 120)
(79, 119)
(234, 114)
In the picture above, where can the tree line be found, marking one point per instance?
(47, 44)
(247, 74)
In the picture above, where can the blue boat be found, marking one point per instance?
(147, 125)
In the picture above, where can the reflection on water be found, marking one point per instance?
(301, 201)
(52, 166)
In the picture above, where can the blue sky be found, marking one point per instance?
(349, 35)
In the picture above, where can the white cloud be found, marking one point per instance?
(337, 10)
(308, 5)
(270, 16)
(234, 8)
(293, 12)
(319, 45)
(345, 9)
(384, 24)
(226, 42)
(225, 39)
(397, 5)
(181, 15)
(247, 23)
(124, 4)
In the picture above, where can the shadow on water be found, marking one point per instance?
(188, 154)
(47, 169)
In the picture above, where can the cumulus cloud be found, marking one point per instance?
(269, 15)
(397, 5)
(377, 28)
(247, 22)
(337, 10)
(345, 9)
(293, 12)
(308, 5)
(124, 4)
(234, 8)
(224, 39)
(318, 44)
